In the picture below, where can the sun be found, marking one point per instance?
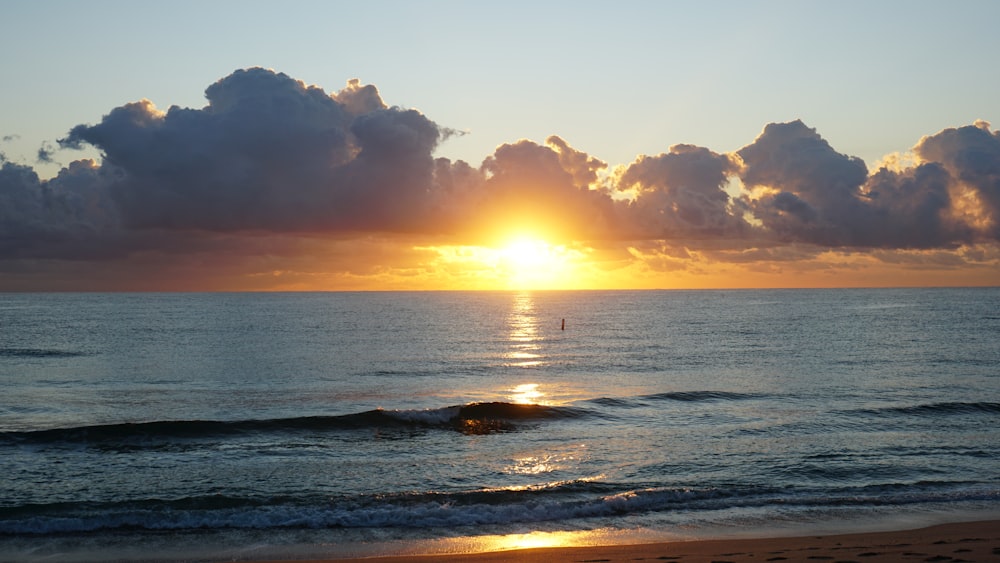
(532, 263)
(527, 253)
(518, 261)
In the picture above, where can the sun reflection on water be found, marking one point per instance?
(542, 540)
(541, 464)
(523, 336)
(526, 394)
(535, 540)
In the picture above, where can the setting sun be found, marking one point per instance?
(526, 253)
(535, 264)
(520, 262)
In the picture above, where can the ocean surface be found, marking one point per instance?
(237, 426)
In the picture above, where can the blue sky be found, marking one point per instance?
(615, 79)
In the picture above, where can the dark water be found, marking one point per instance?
(248, 425)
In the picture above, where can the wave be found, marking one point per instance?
(37, 353)
(936, 409)
(672, 396)
(403, 510)
(699, 396)
(428, 510)
(472, 418)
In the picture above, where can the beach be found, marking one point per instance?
(955, 542)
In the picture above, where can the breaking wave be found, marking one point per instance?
(472, 418)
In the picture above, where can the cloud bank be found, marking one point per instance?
(270, 165)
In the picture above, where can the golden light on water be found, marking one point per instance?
(535, 540)
(542, 462)
(526, 394)
(539, 540)
(531, 540)
(523, 335)
(533, 465)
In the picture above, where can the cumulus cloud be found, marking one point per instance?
(681, 194)
(67, 217)
(387, 185)
(270, 156)
(264, 154)
(907, 209)
(802, 190)
(971, 156)
(548, 187)
(269, 153)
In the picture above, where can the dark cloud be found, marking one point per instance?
(23, 208)
(269, 156)
(67, 217)
(388, 184)
(809, 189)
(971, 155)
(907, 209)
(802, 190)
(45, 154)
(258, 156)
(268, 153)
(681, 194)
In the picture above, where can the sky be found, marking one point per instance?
(237, 146)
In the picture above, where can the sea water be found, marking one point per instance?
(235, 426)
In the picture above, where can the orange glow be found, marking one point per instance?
(403, 263)
(521, 262)
(530, 263)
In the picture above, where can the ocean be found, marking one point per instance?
(229, 426)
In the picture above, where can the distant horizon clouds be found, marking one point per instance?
(270, 167)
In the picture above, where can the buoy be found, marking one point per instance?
(563, 325)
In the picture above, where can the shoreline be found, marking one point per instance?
(955, 542)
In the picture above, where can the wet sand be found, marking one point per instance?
(957, 542)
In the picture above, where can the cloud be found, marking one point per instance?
(271, 158)
(45, 154)
(359, 99)
(802, 190)
(971, 157)
(267, 153)
(67, 217)
(907, 209)
(387, 185)
(548, 188)
(681, 194)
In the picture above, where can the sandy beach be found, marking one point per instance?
(956, 542)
